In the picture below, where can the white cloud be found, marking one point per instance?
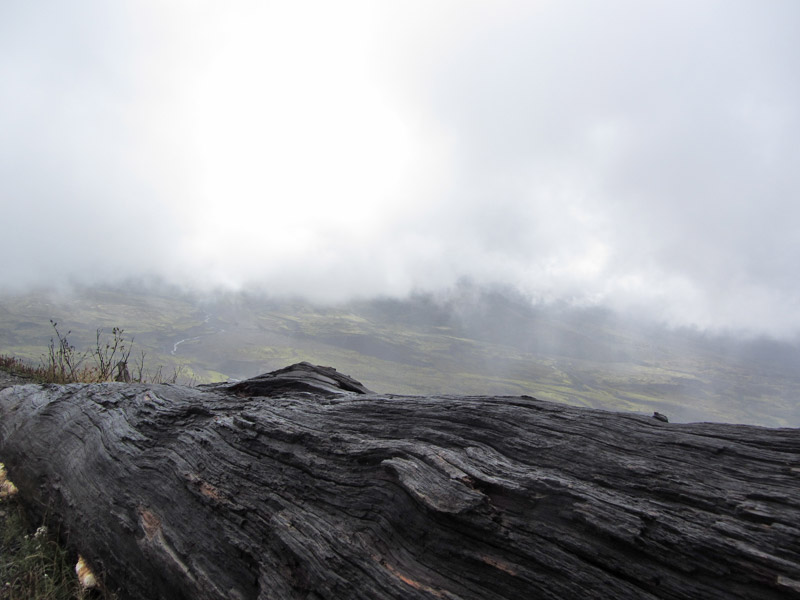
(636, 154)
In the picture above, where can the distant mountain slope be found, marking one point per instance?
(467, 341)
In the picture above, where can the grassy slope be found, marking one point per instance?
(153, 319)
(479, 343)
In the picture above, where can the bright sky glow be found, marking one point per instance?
(640, 155)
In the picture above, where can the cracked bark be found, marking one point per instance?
(303, 484)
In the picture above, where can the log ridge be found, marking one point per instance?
(302, 484)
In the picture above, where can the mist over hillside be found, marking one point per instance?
(317, 181)
(636, 155)
(468, 339)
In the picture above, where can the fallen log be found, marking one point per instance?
(303, 484)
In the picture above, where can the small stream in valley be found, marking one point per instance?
(206, 321)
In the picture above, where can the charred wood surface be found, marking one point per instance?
(301, 484)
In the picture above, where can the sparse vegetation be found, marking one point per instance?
(33, 565)
(63, 363)
(106, 356)
(17, 366)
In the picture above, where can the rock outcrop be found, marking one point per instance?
(303, 484)
(300, 378)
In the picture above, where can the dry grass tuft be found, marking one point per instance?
(109, 360)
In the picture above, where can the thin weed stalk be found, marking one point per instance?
(63, 363)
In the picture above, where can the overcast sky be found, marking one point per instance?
(642, 155)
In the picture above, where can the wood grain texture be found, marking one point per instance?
(317, 490)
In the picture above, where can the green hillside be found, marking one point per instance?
(468, 341)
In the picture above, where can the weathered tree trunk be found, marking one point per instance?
(298, 485)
